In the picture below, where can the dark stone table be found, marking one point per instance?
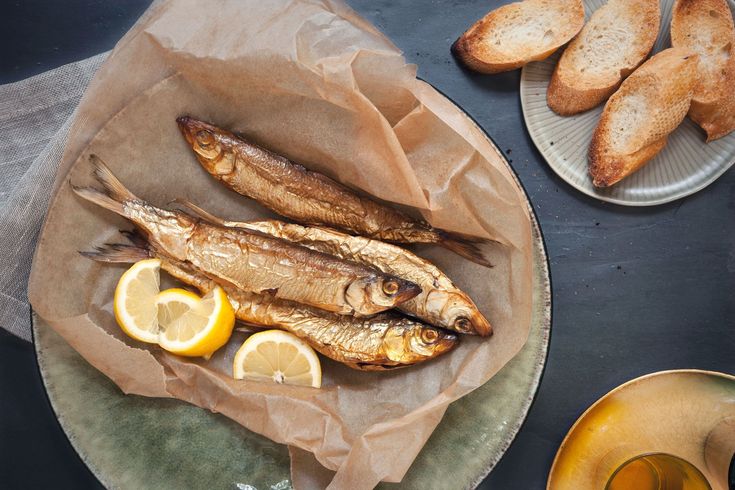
(634, 290)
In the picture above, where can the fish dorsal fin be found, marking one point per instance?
(199, 212)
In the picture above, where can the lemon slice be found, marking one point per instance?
(278, 356)
(194, 326)
(135, 300)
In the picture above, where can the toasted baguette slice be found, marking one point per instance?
(706, 27)
(638, 118)
(612, 44)
(513, 35)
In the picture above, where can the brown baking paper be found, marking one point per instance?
(314, 82)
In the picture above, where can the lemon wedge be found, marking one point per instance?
(278, 356)
(135, 303)
(194, 326)
(176, 319)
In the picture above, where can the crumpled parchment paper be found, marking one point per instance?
(316, 83)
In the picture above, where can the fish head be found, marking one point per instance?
(211, 145)
(458, 312)
(376, 293)
(410, 342)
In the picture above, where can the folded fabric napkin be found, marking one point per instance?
(35, 115)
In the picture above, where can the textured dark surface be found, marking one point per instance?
(634, 290)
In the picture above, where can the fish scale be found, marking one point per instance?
(242, 260)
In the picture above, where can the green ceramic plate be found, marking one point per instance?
(136, 442)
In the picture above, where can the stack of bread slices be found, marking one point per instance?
(605, 62)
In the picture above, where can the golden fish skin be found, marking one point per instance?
(309, 197)
(386, 341)
(440, 302)
(382, 342)
(254, 261)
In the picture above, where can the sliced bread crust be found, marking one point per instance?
(616, 40)
(518, 33)
(637, 119)
(707, 28)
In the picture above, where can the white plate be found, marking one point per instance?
(686, 165)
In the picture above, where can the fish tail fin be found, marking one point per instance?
(136, 238)
(114, 194)
(99, 198)
(118, 253)
(199, 212)
(114, 188)
(465, 245)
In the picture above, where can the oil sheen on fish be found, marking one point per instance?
(309, 197)
(440, 302)
(385, 341)
(254, 261)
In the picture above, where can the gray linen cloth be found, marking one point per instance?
(35, 116)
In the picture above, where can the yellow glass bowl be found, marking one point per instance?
(688, 414)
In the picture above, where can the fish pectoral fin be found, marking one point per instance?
(248, 327)
(366, 366)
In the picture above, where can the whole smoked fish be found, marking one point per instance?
(309, 197)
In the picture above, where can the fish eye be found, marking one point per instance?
(390, 287)
(429, 335)
(204, 138)
(462, 324)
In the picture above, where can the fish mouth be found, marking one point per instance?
(481, 326)
(183, 123)
(407, 290)
(189, 127)
(448, 342)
